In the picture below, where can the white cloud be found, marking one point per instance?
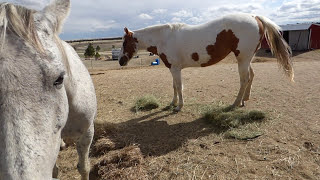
(195, 20)
(176, 19)
(95, 17)
(94, 25)
(145, 16)
(183, 13)
(159, 11)
(298, 11)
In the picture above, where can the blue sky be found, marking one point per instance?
(107, 18)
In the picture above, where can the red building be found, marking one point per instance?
(314, 36)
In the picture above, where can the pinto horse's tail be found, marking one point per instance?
(278, 45)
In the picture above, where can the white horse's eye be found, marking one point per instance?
(59, 81)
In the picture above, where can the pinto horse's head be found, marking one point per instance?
(129, 47)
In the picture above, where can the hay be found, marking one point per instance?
(102, 142)
(225, 118)
(126, 163)
(146, 103)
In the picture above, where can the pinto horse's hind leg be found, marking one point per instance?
(177, 86)
(243, 66)
(248, 90)
(83, 146)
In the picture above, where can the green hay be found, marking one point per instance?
(233, 121)
(243, 134)
(146, 103)
(226, 117)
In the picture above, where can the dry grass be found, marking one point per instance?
(182, 145)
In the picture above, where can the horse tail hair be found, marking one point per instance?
(279, 47)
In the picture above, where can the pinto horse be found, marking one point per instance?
(181, 45)
(45, 93)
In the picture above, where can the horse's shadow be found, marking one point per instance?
(155, 136)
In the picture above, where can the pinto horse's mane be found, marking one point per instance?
(173, 27)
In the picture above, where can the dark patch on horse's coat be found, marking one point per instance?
(195, 56)
(129, 44)
(226, 42)
(165, 60)
(261, 32)
(153, 49)
(163, 57)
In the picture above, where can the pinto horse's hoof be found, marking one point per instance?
(242, 104)
(177, 109)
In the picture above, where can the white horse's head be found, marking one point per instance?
(129, 47)
(33, 100)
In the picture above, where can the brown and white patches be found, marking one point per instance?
(129, 44)
(163, 57)
(153, 49)
(261, 32)
(195, 56)
(165, 60)
(226, 42)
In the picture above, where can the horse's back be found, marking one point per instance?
(238, 33)
(81, 96)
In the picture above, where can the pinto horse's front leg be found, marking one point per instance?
(177, 86)
(175, 95)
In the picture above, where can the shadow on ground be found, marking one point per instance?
(152, 133)
(155, 136)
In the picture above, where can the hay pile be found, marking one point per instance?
(114, 161)
(126, 163)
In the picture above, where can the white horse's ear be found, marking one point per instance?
(57, 12)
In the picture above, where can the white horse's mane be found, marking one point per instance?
(20, 21)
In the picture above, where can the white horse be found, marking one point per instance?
(45, 93)
(180, 46)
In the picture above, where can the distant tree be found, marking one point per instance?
(98, 48)
(97, 55)
(113, 46)
(90, 51)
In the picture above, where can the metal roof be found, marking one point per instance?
(297, 27)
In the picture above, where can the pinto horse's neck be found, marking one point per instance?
(151, 37)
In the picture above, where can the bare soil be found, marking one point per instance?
(162, 144)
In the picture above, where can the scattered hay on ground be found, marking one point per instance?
(126, 163)
(102, 143)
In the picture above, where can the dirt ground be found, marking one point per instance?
(182, 146)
